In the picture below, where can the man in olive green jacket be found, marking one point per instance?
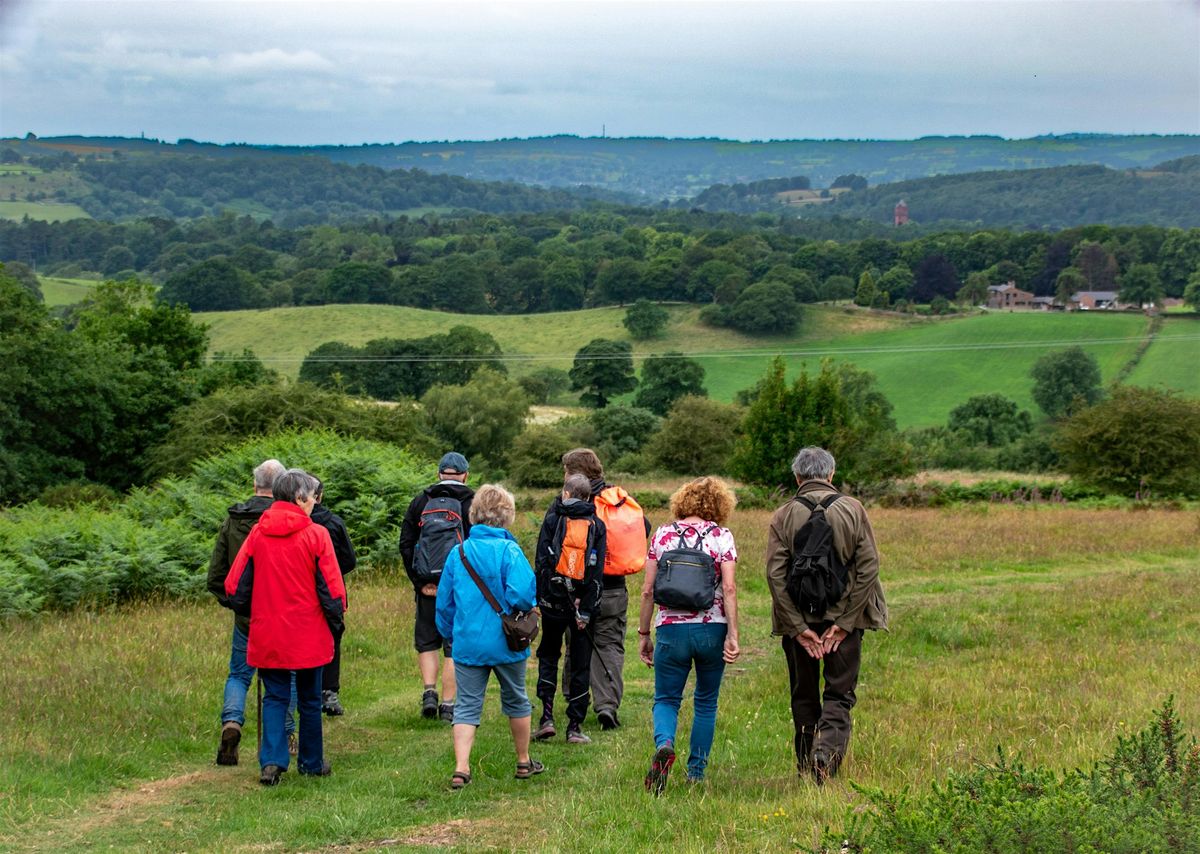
(822, 718)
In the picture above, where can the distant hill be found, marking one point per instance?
(660, 168)
(1059, 197)
(128, 179)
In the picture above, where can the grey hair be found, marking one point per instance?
(266, 473)
(294, 485)
(578, 486)
(813, 464)
(493, 505)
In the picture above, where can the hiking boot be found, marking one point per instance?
(660, 767)
(545, 730)
(575, 735)
(822, 766)
(330, 704)
(293, 744)
(446, 712)
(608, 719)
(231, 736)
(429, 704)
(270, 775)
(324, 770)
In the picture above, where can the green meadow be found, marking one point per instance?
(56, 291)
(926, 367)
(47, 211)
(1044, 631)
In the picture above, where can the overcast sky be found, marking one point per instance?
(343, 72)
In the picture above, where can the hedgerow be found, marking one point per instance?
(157, 541)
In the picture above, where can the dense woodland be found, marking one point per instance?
(1032, 199)
(657, 168)
(567, 260)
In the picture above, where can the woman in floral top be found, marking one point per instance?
(706, 639)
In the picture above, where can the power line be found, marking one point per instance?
(720, 354)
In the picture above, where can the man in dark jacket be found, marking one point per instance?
(568, 573)
(331, 677)
(452, 484)
(234, 530)
(828, 646)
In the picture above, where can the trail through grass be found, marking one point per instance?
(1043, 630)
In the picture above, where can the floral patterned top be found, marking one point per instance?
(718, 542)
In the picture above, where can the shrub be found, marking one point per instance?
(481, 418)
(697, 437)
(1144, 797)
(622, 430)
(158, 540)
(645, 320)
(1139, 439)
(535, 459)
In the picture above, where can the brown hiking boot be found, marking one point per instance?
(231, 736)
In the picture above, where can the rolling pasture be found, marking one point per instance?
(1044, 631)
(926, 367)
(56, 291)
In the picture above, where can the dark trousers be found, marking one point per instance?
(579, 647)
(822, 717)
(331, 675)
(277, 687)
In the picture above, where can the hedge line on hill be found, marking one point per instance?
(157, 541)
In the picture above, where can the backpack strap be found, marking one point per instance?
(828, 502)
(483, 588)
(811, 505)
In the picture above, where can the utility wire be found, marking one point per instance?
(719, 354)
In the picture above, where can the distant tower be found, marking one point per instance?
(900, 215)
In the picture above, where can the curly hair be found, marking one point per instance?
(710, 498)
(493, 505)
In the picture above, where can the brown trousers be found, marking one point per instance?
(822, 718)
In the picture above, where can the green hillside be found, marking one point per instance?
(56, 291)
(926, 367)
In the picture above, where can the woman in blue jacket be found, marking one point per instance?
(465, 618)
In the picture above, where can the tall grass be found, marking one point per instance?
(1045, 631)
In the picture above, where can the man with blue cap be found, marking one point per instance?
(437, 520)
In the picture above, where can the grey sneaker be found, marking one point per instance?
(429, 704)
(545, 730)
(330, 704)
(575, 735)
(270, 775)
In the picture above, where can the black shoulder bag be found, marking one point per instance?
(520, 627)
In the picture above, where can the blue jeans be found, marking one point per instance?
(676, 649)
(472, 682)
(277, 692)
(237, 685)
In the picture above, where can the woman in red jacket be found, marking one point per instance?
(286, 579)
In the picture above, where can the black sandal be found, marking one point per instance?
(525, 770)
(459, 779)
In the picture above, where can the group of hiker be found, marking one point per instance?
(480, 604)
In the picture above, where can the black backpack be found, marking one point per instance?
(687, 575)
(817, 577)
(441, 530)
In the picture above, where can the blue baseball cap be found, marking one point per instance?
(454, 463)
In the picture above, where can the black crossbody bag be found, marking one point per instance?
(520, 627)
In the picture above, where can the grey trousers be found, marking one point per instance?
(607, 633)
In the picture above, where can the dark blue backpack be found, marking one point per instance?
(441, 530)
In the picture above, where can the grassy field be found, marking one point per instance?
(48, 211)
(925, 367)
(57, 291)
(1046, 631)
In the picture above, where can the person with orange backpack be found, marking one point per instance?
(626, 533)
(568, 564)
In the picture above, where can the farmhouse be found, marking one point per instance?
(1009, 295)
(1095, 300)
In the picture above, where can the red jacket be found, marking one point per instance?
(286, 577)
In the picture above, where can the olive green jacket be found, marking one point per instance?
(234, 530)
(862, 606)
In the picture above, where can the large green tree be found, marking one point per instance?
(1141, 285)
(603, 369)
(990, 419)
(1137, 441)
(1065, 380)
(697, 437)
(667, 378)
(765, 308)
(645, 320)
(213, 285)
(481, 418)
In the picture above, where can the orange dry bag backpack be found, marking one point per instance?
(625, 526)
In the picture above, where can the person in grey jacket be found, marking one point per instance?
(830, 646)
